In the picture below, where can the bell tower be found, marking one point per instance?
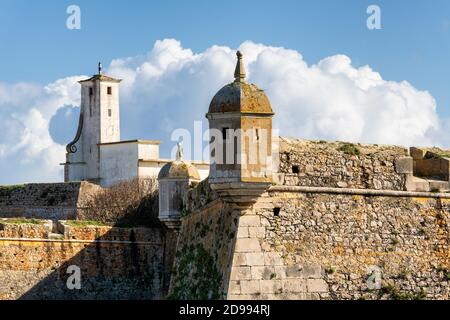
(99, 123)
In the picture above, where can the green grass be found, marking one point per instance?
(350, 149)
(443, 154)
(21, 221)
(330, 270)
(5, 191)
(85, 223)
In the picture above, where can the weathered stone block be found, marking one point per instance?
(278, 178)
(264, 273)
(242, 232)
(235, 287)
(280, 272)
(271, 286)
(439, 185)
(417, 184)
(239, 259)
(247, 245)
(312, 271)
(292, 296)
(250, 287)
(273, 259)
(294, 272)
(317, 285)
(257, 232)
(255, 259)
(250, 221)
(240, 273)
(312, 296)
(294, 285)
(404, 165)
(416, 153)
(240, 297)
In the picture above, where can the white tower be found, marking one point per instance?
(99, 123)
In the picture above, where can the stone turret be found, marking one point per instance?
(240, 122)
(174, 180)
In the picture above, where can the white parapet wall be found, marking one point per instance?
(119, 161)
(126, 160)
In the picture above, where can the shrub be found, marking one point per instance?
(128, 203)
(350, 149)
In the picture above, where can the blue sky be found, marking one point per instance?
(414, 43)
(309, 56)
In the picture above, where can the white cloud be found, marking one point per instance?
(27, 151)
(171, 86)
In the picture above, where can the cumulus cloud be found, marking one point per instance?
(170, 87)
(27, 151)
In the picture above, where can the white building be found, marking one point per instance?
(97, 154)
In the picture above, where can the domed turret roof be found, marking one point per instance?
(240, 96)
(179, 169)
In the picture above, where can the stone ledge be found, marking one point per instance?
(363, 192)
(78, 241)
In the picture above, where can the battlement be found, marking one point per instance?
(45, 200)
(362, 166)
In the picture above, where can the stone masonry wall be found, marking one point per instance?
(300, 245)
(340, 165)
(115, 263)
(204, 252)
(45, 200)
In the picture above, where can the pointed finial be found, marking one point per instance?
(239, 73)
(179, 152)
(99, 68)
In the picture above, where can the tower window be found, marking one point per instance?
(91, 91)
(109, 112)
(257, 134)
(109, 90)
(296, 169)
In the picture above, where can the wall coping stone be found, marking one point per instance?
(78, 241)
(363, 192)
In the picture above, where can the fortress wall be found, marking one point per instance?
(115, 263)
(45, 200)
(336, 164)
(322, 245)
(204, 252)
(35, 230)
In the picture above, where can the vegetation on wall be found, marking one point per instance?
(197, 275)
(350, 149)
(5, 191)
(392, 293)
(85, 223)
(199, 195)
(21, 221)
(128, 203)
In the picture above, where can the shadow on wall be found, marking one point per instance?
(81, 259)
(119, 263)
